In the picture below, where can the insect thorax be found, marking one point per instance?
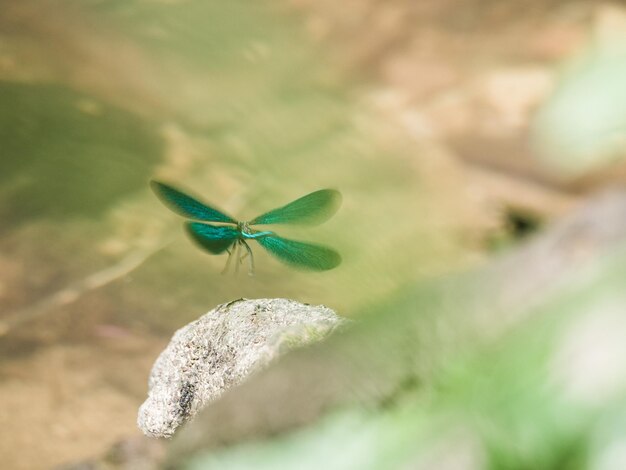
(248, 232)
(244, 228)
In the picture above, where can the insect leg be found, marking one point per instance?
(249, 253)
(230, 255)
(237, 260)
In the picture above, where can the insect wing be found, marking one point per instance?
(301, 255)
(213, 238)
(311, 209)
(186, 205)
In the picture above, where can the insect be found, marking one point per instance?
(232, 236)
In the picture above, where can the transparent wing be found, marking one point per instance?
(311, 209)
(187, 206)
(213, 238)
(301, 255)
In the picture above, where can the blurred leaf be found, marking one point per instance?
(483, 353)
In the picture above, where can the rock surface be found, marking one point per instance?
(219, 350)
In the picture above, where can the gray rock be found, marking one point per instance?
(219, 350)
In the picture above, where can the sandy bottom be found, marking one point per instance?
(66, 403)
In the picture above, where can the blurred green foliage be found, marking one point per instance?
(510, 405)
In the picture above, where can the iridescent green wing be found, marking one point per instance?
(213, 238)
(311, 209)
(299, 254)
(187, 206)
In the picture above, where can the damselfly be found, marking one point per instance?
(232, 236)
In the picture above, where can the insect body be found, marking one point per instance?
(233, 236)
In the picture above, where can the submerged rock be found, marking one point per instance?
(219, 350)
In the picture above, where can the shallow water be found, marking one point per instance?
(223, 98)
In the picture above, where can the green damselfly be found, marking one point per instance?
(233, 236)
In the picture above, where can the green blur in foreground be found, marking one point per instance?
(545, 396)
